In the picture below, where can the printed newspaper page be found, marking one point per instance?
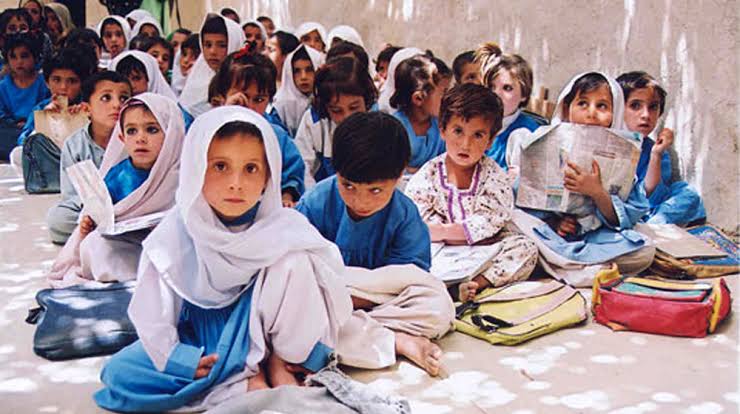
(544, 160)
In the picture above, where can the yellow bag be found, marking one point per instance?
(521, 311)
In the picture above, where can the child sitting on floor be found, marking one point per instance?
(670, 201)
(248, 79)
(576, 248)
(140, 167)
(162, 51)
(375, 227)
(297, 86)
(103, 95)
(184, 60)
(115, 33)
(465, 197)
(227, 281)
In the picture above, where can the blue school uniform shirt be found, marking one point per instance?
(394, 235)
(16, 103)
(186, 117)
(273, 117)
(292, 177)
(123, 179)
(423, 147)
(498, 149)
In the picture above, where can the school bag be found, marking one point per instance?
(670, 267)
(521, 311)
(41, 158)
(82, 321)
(659, 306)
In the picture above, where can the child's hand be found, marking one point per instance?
(237, 99)
(583, 182)
(217, 101)
(53, 106)
(204, 365)
(75, 109)
(567, 226)
(467, 291)
(664, 141)
(87, 225)
(288, 201)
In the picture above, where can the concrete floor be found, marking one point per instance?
(584, 369)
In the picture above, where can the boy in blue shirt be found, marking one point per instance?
(375, 225)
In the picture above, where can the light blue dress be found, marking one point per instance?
(423, 147)
(123, 179)
(292, 177)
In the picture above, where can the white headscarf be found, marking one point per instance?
(178, 79)
(139, 14)
(308, 27)
(259, 25)
(146, 20)
(290, 102)
(124, 25)
(194, 96)
(211, 266)
(155, 194)
(617, 100)
(157, 84)
(346, 33)
(389, 87)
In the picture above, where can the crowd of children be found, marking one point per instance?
(300, 182)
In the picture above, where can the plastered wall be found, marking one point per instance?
(690, 46)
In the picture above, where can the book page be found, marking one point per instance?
(94, 194)
(453, 264)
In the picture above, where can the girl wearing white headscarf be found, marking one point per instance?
(113, 43)
(156, 82)
(144, 21)
(108, 259)
(248, 290)
(259, 40)
(346, 33)
(389, 87)
(194, 96)
(134, 16)
(593, 242)
(289, 102)
(318, 42)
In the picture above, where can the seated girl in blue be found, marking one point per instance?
(510, 77)
(670, 201)
(248, 79)
(343, 87)
(376, 227)
(576, 248)
(227, 281)
(419, 85)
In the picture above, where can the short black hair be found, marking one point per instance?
(343, 48)
(150, 42)
(233, 128)
(386, 55)
(192, 43)
(131, 64)
(182, 30)
(88, 86)
(443, 70)
(459, 63)
(342, 75)
(471, 100)
(32, 43)
(81, 61)
(369, 147)
(83, 36)
(639, 80)
(242, 69)
(228, 11)
(585, 84)
(286, 41)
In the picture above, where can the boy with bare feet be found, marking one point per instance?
(398, 305)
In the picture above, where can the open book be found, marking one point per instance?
(453, 264)
(98, 205)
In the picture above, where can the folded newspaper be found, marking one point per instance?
(545, 156)
(453, 264)
(98, 205)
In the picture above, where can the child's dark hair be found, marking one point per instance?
(192, 43)
(417, 73)
(32, 43)
(287, 42)
(214, 25)
(83, 37)
(344, 48)
(386, 55)
(263, 19)
(443, 70)
(471, 100)
(585, 84)
(639, 80)
(233, 128)
(138, 42)
(182, 30)
(228, 12)
(370, 146)
(301, 54)
(9, 14)
(109, 21)
(151, 42)
(517, 66)
(131, 104)
(242, 69)
(342, 75)
(459, 63)
(88, 86)
(130, 65)
(81, 61)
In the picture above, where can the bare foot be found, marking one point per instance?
(420, 351)
(278, 373)
(467, 291)
(257, 382)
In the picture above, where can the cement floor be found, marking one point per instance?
(584, 369)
